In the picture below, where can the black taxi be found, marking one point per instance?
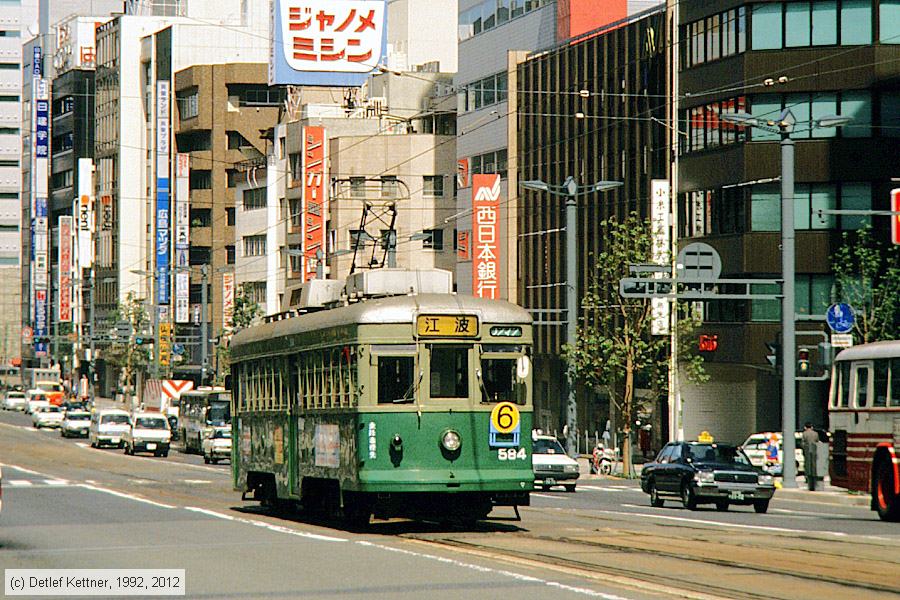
(706, 473)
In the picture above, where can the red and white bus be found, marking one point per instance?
(864, 410)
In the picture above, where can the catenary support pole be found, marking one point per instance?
(788, 342)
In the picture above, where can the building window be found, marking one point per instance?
(390, 186)
(200, 255)
(229, 254)
(487, 91)
(493, 13)
(357, 187)
(490, 162)
(296, 259)
(296, 207)
(434, 239)
(201, 179)
(889, 22)
(229, 216)
(777, 25)
(296, 165)
(765, 206)
(236, 141)
(358, 239)
(254, 245)
(255, 290)
(433, 185)
(194, 141)
(254, 199)
(254, 95)
(806, 107)
(234, 177)
(188, 103)
(201, 217)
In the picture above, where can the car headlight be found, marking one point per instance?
(705, 477)
(571, 468)
(764, 479)
(450, 441)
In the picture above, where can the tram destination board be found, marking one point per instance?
(453, 326)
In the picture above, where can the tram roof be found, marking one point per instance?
(870, 351)
(388, 310)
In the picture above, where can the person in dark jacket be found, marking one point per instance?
(808, 441)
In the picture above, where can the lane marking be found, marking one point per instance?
(53, 482)
(193, 481)
(24, 470)
(264, 525)
(124, 495)
(737, 525)
(595, 488)
(174, 463)
(482, 569)
(20, 482)
(552, 497)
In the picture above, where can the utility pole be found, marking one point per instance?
(204, 332)
(91, 372)
(788, 341)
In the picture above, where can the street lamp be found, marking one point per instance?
(784, 126)
(571, 190)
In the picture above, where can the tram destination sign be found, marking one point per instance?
(447, 326)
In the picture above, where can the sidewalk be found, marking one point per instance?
(829, 495)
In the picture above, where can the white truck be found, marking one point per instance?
(164, 396)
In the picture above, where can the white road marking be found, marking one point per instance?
(596, 488)
(264, 525)
(164, 462)
(812, 514)
(552, 497)
(124, 495)
(23, 470)
(483, 569)
(82, 445)
(56, 482)
(19, 482)
(197, 481)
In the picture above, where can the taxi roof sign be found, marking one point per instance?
(705, 437)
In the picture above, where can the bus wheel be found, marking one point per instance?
(886, 501)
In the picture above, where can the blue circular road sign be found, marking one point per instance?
(178, 349)
(840, 317)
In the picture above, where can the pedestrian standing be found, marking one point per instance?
(809, 442)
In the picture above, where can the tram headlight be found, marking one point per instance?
(450, 441)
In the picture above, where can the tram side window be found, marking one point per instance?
(845, 384)
(881, 384)
(862, 387)
(449, 372)
(499, 378)
(395, 379)
(895, 382)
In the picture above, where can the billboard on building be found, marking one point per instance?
(40, 231)
(314, 198)
(462, 173)
(326, 42)
(182, 238)
(76, 43)
(64, 269)
(85, 214)
(162, 192)
(228, 301)
(486, 234)
(660, 252)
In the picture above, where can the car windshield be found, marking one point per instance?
(219, 412)
(222, 434)
(716, 453)
(150, 423)
(16, 395)
(756, 440)
(114, 419)
(548, 447)
(78, 416)
(50, 409)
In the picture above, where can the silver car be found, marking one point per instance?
(75, 423)
(14, 400)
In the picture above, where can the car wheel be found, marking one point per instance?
(655, 500)
(722, 506)
(761, 506)
(569, 488)
(687, 496)
(164, 454)
(214, 460)
(545, 488)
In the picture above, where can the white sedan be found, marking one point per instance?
(14, 400)
(46, 416)
(217, 445)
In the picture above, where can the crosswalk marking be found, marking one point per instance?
(37, 483)
(19, 482)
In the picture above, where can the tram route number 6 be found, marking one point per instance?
(512, 454)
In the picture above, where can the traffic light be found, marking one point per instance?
(803, 362)
(774, 355)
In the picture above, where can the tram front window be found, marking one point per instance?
(395, 379)
(449, 372)
(499, 378)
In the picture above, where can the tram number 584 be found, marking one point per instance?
(511, 454)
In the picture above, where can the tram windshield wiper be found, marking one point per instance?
(410, 393)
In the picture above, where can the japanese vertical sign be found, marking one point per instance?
(462, 173)
(314, 201)
(660, 249)
(182, 238)
(64, 269)
(162, 192)
(485, 234)
(326, 42)
(40, 234)
(228, 301)
(85, 214)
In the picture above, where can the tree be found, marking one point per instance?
(867, 277)
(614, 347)
(127, 355)
(245, 312)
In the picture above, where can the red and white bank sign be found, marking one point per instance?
(314, 201)
(65, 269)
(323, 42)
(486, 235)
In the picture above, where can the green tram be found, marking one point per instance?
(413, 406)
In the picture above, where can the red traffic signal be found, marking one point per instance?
(803, 361)
(895, 219)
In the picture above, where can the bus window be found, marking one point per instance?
(499, 379)
(880, 383)
(395, 379)
(862, 386)
(845, 384)
(449, 371)
(895, 382)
